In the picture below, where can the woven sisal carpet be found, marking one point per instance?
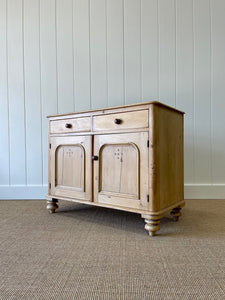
(88, 253)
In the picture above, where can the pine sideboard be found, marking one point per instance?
(127, 157)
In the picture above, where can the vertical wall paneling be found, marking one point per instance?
(60, 56)
(81, 54)
(202, 91)
(17, 132)
(184, 79)
(48, 68)
(99, 84)
(4, 122)
(132, 50)
(32, 92)
(167, 51)
(65, 65)
(115, 52)
(218, 91)
(149, 49)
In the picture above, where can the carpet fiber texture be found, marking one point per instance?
(84, 252)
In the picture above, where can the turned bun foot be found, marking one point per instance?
(152, 224)
(152, 233)
(176, 213)
(52, 206)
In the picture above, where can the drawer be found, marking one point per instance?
(126, 120)
(70, 125)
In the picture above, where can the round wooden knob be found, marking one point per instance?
(68, 125)
(118, 121)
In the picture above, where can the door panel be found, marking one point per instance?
(114, 176)
(71, 167)
(69, 160)
(121, 173)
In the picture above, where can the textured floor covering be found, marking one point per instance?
(84, 252)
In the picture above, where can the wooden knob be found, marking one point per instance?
(118, 121)
(68, 125)
(94, 157)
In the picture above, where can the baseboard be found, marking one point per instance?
(204, 191)
(37, 192)
(23, 192)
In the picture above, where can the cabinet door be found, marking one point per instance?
(70, 167)
(121, 171)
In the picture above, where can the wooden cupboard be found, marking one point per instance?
(128, 158)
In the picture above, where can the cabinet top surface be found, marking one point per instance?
(118, 107)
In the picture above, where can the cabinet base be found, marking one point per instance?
(152, 219)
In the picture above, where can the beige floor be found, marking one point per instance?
(89, 253)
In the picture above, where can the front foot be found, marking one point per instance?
(52, 206)
(152, 223)
(176, 213)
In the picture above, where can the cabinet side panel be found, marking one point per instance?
(49, 162)
(168, 185)
(153, 183)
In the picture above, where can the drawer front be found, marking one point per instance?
(126, 120)
(70, 125)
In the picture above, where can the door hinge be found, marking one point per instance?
(50, 185)
(148, 143)
(147, 198)
(50, 146)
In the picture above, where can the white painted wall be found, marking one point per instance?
(61, 56)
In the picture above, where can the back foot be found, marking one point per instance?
(176, 213)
